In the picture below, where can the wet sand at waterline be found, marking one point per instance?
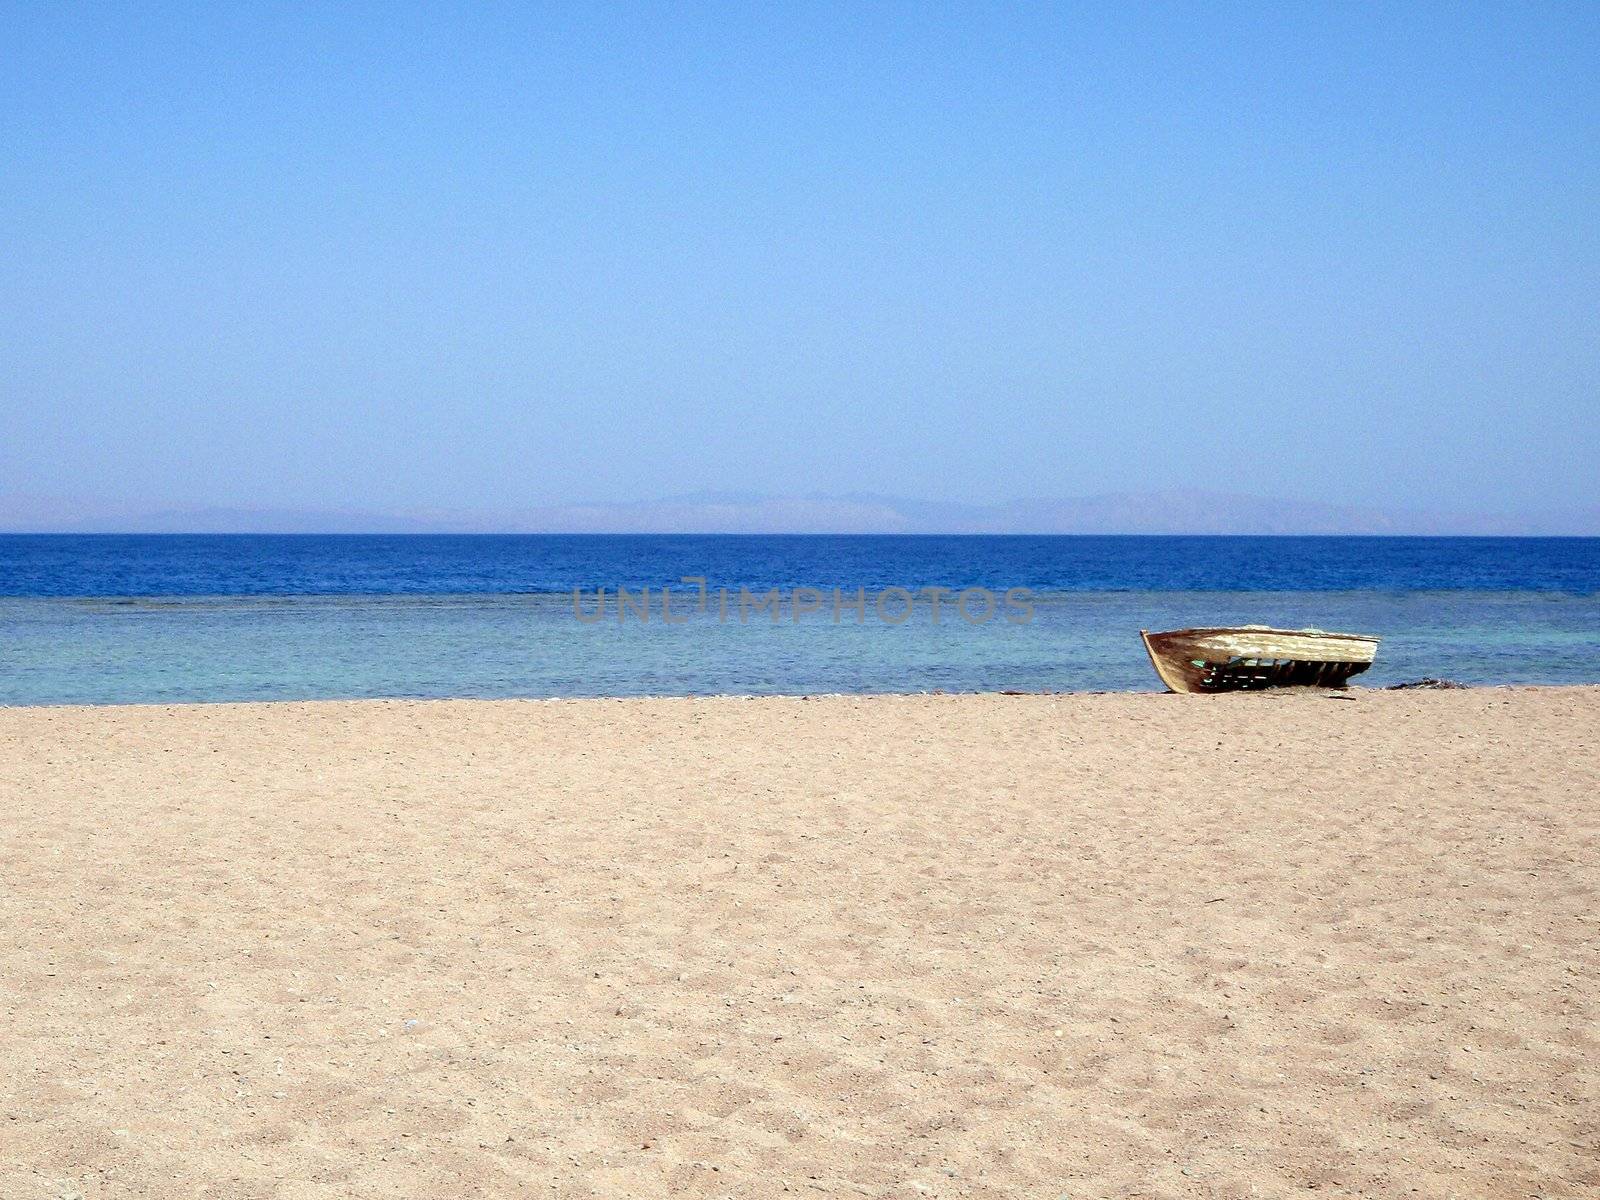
(1030, 946)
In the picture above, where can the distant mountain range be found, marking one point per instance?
(722, 512)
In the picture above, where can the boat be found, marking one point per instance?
(1248, 657)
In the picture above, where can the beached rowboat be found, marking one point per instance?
(1254, 656)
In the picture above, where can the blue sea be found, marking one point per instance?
(158, 619)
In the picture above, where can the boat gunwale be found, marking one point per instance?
(1206, 630)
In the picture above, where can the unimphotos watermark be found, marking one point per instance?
(890, 605)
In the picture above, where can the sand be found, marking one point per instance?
(1084, 946)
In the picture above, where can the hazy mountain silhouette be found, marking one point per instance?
(1182, 511)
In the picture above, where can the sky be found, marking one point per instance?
(500, 255)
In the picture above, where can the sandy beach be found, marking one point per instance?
(987, 946)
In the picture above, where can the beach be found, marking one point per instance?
(893, 946)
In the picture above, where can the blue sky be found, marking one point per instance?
(502, 255)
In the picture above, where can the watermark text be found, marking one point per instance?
(889, 605)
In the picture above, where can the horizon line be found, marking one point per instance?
(746, 533)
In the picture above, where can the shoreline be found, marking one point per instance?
(1265, 694)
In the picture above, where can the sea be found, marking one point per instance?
(156, 619)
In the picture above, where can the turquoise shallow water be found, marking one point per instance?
(185, 648)
(127, 619)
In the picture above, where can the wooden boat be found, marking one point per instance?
(1255, 656)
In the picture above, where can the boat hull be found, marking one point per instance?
(1249, 658)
